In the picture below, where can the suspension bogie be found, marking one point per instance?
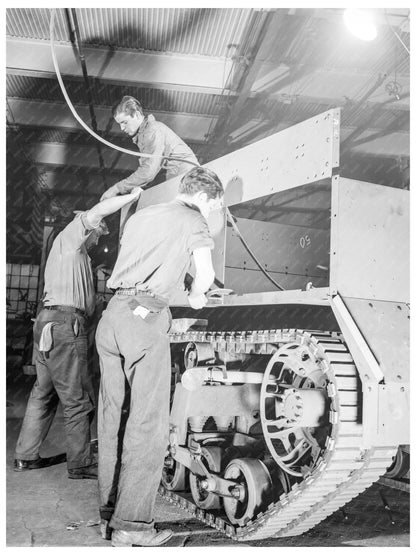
(256, 423)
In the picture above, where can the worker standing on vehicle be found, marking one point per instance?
(158, 245)
(151, 137)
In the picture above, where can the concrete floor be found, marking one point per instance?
(45, 508)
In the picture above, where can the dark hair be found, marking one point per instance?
(201, 179)
(127, 105)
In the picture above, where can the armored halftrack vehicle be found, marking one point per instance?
(290, 390)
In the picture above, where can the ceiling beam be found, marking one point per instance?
(190, 127)
(249, 76)
(322, 82)
(181, 72)
(167, 71)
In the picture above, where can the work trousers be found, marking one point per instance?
(62, 375)
(133, 412)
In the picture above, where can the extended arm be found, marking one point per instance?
(204, 277)
(148, 169)
(109, 206)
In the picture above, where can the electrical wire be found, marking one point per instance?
(80, 120)
(263, 270)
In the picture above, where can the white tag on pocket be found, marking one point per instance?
(141, 311)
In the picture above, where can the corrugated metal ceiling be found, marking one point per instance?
(206, 32)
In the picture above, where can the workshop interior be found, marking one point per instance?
(290, 390)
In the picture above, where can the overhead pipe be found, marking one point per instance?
(76, 37)
(223, 126)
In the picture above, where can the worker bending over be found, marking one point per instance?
(151, 137)
(157, 248)
(60, 331)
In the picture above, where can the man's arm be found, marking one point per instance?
(109, 206)
(148, 169)
(204, 277)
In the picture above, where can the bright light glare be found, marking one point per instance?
(360, 23)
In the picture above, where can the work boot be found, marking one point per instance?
(21, 465)
(105, 529)
(144, 538)
(89, 472)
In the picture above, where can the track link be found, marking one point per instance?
(343, 471)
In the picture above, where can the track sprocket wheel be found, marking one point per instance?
(294, 408)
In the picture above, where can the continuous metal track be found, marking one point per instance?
(344, 470)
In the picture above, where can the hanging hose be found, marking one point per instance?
(142, 154)
(84, 125)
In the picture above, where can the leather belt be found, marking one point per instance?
(65, 308)
(133, 291)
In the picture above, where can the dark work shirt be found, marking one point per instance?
(68, 273)
(154, 137)
(157, 246)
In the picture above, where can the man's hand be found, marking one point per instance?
(136, 192)
(110, 204)
(197, 301)
(109, 193)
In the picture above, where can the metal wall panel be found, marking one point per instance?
(377, 335)
(301, 154)
(394, 414)
(386, 328)
(295, 156)
(291, 254)
(370, 241)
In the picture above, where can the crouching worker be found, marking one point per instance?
(60, 331)
(157, 248)
(171, 154)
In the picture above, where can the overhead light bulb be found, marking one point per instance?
(360, 23)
